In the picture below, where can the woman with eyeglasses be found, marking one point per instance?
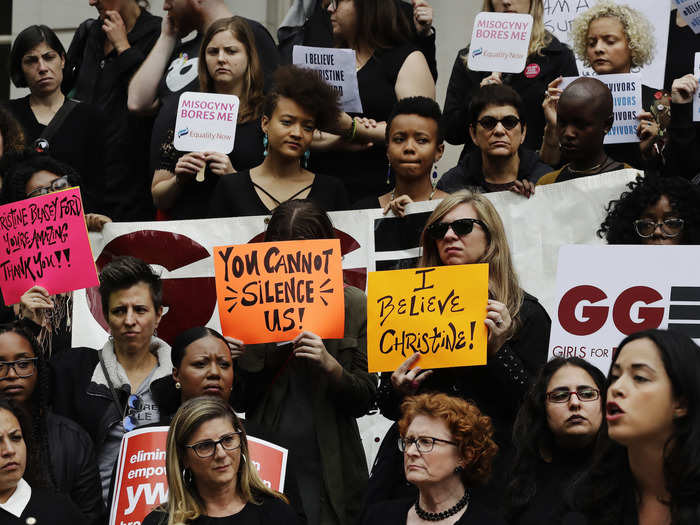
(554, 436)
(24, 497)
(108, 391)
(30, 175)
(654, 210)
(465, 228)
(646, 469)
(64, 452)
(448, 450)
(71, 131)
(211, 478)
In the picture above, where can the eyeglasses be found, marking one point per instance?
(133, 405)
(22, 367)
(583, 394)
(461, 227)
(423, 444)
(489, 123)
(334, 4)
(206, 449)
(58, 184)
(671, 227)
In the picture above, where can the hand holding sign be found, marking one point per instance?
(206, 123)
(309, 346)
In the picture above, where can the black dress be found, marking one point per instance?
(235, 195)
(395, 513)
(272, 511)
(556, 60)
(80, 142)
(193, 201)
(45, 507)
(365, 173)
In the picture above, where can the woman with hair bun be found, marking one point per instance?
(448, 449)
(298, 104)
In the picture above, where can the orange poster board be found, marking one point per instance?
(270, 460)
(438, 312)
(272, 291)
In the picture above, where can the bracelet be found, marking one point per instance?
(350, 134)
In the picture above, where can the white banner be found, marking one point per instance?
(559, 15)
(605, 293)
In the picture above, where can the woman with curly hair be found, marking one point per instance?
(448, 449)
(654, 211)
(298, 104)
(611, 38)
(647, 469)
(554, 435)
(548, 59)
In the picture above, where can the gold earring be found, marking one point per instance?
(178, 385)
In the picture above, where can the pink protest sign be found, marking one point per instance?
(44, 241)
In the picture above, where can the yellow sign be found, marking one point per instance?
(437, 312)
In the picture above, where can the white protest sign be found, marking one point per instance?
(206, 122)
(559, 15)
(500, 42)
(627, 103)
(690, 12)
(696, 97)
(337, 68)
(605, 293)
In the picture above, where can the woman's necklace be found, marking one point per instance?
(430, 197)
(589, 171)
(439, 516)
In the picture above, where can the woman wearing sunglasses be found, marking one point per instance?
(655, 210)
(210, 476)
(65, 459)
(108, 391)
(554, 436)
(447, 450)
(465, 229)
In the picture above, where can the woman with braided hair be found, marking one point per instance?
(65, 460)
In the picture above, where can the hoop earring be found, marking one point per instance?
(307, 154)
(388, 174)
(243, 458)
(187, 476)
(266, 144)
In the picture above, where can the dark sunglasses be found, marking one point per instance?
(461, 227)
(489, 123)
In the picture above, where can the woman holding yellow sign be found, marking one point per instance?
(465, 228)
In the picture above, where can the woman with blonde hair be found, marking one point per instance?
(548, 58)
(210, 473)
(465, 228)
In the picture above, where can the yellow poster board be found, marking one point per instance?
(438, 312)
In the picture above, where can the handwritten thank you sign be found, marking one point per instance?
(44, 241)
(272, 291)
(437, 312)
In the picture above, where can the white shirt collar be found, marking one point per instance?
(16, 503)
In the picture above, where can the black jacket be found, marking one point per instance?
(103, 81)
(317, 32)
(46, 507)
(74, 466)
(468, 173)
(556, 59)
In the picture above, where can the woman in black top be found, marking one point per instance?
(548, 59)
(554, 435)
(37, 59)
(299, 103)
(102, 57)
(230, 66)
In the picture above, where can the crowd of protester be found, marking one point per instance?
(517, 441)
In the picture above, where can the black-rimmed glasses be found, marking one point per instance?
(424, 444)
(461, 227)
(489, 123)
(671, 227)
(583, 394)
(22, 367)
(58, 184)
(206, 449)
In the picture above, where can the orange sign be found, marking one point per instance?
(141, 482)
(272, 291)
(437, 312)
